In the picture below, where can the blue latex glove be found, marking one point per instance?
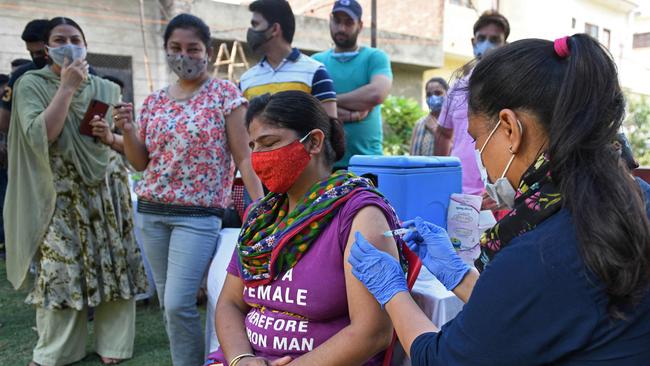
(378, 271)
(431, 243)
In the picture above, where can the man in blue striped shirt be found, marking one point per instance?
(282, 67)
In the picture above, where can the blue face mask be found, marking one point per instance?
(435, 102)
(68, 51)
(481, 48)
(345, 56)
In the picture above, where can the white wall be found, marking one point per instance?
(552, 19)
(637, 62)
(458, 24)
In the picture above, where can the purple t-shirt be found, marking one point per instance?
(454, 116)
(307, 304)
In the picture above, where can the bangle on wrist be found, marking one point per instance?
(236, 360)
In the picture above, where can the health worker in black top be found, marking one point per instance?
(565, 275)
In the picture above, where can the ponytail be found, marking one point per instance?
(576, 96)
(606, 203)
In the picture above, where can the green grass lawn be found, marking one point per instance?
(17, 338)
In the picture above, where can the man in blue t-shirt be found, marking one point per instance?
(362, 80)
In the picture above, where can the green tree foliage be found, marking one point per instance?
(637, 130)
(399, 116)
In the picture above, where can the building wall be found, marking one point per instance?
(414, 46)
(637, 62)
(458, 23)
(391, 15)
(411, 55)
(111, 27)
(228, 21)
(407, 82)
(541, 19)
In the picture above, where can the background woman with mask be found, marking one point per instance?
(188, 135)
(567, 272)
(68, 209)
(425, 129)
(289, 294)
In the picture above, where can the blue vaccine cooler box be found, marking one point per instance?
(414, 185)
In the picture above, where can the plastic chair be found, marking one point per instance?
(414, 265)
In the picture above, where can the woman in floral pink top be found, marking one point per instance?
(188, 136)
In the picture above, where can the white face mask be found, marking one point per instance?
(500, 191)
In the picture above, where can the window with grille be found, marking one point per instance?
(641, 40)
(119, 67)
(591, 30)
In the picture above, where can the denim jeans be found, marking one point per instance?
(179, 250)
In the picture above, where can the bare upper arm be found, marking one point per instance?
(330, 108)
(445, 132)
(232, 293)
(363, 307)
(237, 134)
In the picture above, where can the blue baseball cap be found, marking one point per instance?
(350, 7)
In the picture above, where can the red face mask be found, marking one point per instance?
(280, 168)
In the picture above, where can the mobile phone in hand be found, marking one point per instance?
(95, 108)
